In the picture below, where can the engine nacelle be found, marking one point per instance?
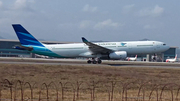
(118, 55)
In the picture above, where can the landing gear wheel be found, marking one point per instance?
(94, 61)
(89, 61)
(99, 61)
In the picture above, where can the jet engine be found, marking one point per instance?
(118, 55)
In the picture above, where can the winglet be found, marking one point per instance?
(84, 40)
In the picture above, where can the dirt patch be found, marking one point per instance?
(101, 78)
(48, 73)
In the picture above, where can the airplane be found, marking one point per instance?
(132, 58)
(94, 51)
(172, 60)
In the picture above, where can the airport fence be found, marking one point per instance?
(88, 91)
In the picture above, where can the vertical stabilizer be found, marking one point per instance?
(25, 37)
(136, 56)
(176, 56)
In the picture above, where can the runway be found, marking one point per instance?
(82, 62)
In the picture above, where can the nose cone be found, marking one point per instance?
(167, 47)
(164, 47)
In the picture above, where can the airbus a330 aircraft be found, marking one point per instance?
(95, 51)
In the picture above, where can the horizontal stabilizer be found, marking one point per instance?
(23, 48)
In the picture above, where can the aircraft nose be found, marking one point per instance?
(167, 47)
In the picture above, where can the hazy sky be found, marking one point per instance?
(108, 20)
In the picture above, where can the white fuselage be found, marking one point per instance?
(132, 58)
(171, 60)
(131, 47)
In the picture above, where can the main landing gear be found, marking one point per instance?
(94, 61)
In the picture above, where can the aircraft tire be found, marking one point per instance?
(99, 61)
(89, 61)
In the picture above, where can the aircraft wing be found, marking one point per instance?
(96, 48)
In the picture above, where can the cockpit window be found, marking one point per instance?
(164, 44)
